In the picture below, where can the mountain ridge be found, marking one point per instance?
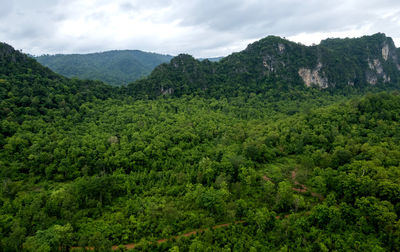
(273, 61)
(272, 64)
(115, 67)
(334, 63)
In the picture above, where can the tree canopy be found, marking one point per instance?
(207, 167)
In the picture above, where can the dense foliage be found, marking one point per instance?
(283, 168)
(113, 67)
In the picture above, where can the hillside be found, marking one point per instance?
(113, 67)
(230, 156)
(274, 64)
(29, 89)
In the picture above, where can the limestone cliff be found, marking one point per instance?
(313, 76)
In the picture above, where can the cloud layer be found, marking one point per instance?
(202, 28)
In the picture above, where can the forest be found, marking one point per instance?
(228, 161)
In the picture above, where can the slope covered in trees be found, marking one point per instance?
(85, 164)
(28, 89)
(113, 67)
(275, 64)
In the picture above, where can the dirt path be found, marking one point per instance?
(132, 245)
(303, 189)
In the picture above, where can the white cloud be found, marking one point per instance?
(202, 28)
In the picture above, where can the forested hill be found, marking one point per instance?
(13, 63)
(118, 67)
(30, 89)
(275, 63)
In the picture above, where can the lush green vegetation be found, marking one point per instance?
(113, 67)
(296, 168)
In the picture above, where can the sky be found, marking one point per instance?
(205, 28)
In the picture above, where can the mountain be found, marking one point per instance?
(113, 67)
(275, 63)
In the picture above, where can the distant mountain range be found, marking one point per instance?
(113, 67)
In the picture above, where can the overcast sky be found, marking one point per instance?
(202, 28)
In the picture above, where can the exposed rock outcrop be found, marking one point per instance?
(268, 63)
(313, 76)
(377, 68)
(372, 78)
(167, 91)
(281, 47)
(389, 51)
(385, 52)
(272, 64)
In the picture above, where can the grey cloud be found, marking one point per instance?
(242, 14)
(309, 16)
(30, 19)
(126, 6)
(6, 8)
(136, 5)
(204, 26)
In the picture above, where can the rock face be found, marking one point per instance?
(376, 66)
(385, 52)
(371, 78)
(389, 51)
(281, 47)
(313, 76)
(167, 91)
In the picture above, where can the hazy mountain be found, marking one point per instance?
(113, 67)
